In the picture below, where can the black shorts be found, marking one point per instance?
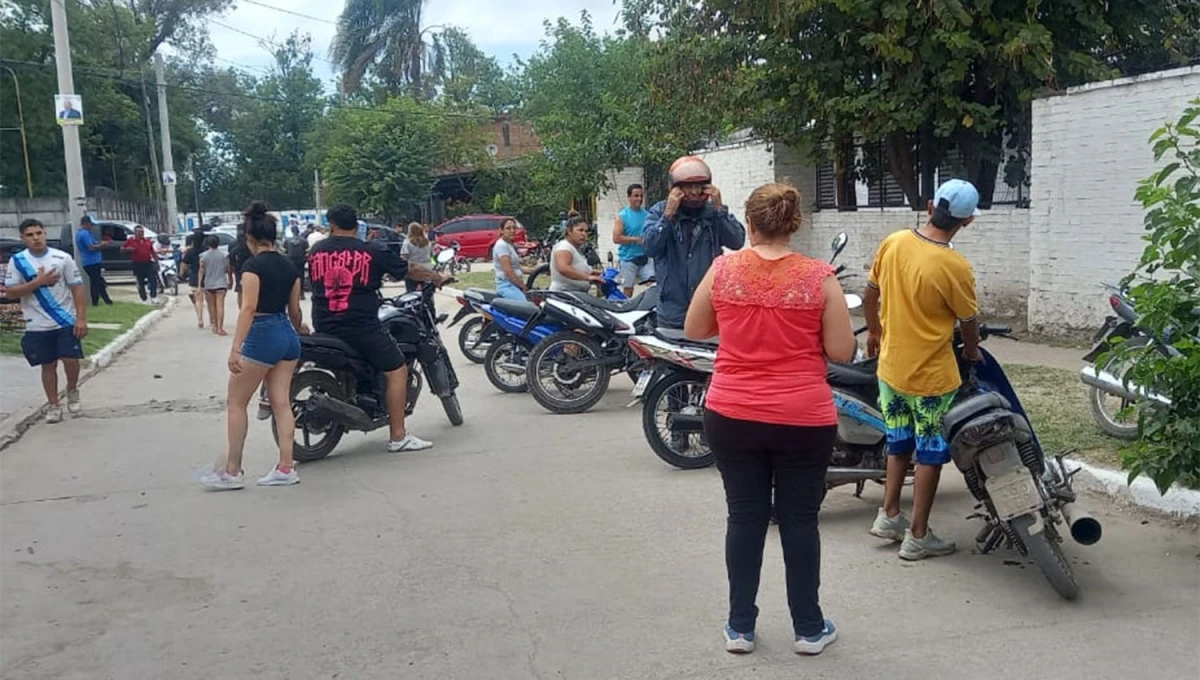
(46, 347)
(379, 348)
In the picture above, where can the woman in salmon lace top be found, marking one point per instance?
(769, 415)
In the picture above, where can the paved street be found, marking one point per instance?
(524, 545)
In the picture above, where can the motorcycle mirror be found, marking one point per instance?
(839, 243)
(445, 257)
(853, 300)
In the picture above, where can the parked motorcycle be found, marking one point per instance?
(570, 370)
(335, 389)
(1106, 383)
(168, 275)
(446, 260)
(517, 326)
(471, 340)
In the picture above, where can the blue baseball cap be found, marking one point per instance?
(961, 196)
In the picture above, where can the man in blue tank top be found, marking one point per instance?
(627, 234)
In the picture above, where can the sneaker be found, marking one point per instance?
(154, 301)
(890, 528)
(221, 480)
(277, 477)
(73, 405)
(409, 443)
(264, 410)
(815, 644)
(738, 643)
(914, 548)
(54, 415)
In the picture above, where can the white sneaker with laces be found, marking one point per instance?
(277, 477)
(889, 528)
(221, 480)
(73, 405)
(410, 442)
(54, 415)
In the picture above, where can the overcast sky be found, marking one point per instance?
(499, 27)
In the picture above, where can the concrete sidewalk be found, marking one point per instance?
(524, 545)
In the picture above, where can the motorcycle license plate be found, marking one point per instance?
(1014, 494)
(642, 381)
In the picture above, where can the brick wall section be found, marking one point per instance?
(996, 244)
(1089, 152)
(739, 170)
(611, 202)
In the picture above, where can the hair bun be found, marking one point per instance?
(257, 210)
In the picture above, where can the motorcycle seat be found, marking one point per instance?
(329, 342)
(853, 375)
(517, 308)
(676, 335)
(644, 301)
(480, 295)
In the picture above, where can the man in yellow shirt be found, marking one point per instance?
(925, 287)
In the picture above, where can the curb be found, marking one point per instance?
(15, 425)
(1177, 502)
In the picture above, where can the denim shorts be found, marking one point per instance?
(271, 340)
(507, 290)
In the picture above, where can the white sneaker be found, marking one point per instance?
(54, 415)
(931, 545)
(154, 301)
(221, 480)
(277, 477)
(889, 528)
(73, 405)
(409, 443)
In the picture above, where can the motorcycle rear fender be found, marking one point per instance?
(1112, 328)
(858, 421)
(986, 441)
(964, 410)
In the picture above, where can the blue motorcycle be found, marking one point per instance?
(515, 326)
(1025, 501)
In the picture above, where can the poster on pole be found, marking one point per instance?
(168, 177)
(68, 109)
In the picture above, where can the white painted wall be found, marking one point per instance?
(1089, 152)
(740, 169)
(612, 202)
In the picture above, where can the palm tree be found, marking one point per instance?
(385, 38)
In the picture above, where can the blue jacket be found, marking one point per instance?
(678, 270)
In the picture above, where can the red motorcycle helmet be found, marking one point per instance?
(691, 170)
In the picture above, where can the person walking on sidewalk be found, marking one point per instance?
(92, 259)
(925, 287)
(143, 255)
(191, 266)
(769, 414)
(266, 346)
(216, 278)
(49, 287)
(296, 248)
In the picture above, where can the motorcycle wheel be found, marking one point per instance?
(544, 364)
(1106, 416)
(503, 351)
(170, 283)
(304, 450)
(469, 342)
(657, 395)
(1047, 553)
(453, 409)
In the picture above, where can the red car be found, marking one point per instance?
(476, 234)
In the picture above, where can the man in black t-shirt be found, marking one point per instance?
(346, 275)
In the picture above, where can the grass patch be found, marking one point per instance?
(475, 280)
(1057, 404)
(124, 313)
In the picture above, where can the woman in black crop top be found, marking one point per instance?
(266, 346)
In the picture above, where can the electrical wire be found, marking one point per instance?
(292, 12)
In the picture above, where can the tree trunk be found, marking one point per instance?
(902, 166)
(927, 149)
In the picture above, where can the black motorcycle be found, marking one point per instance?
(335, 389)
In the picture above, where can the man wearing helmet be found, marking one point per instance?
(684, 234)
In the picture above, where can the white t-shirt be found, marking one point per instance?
(503, 247)
(579, 263)
(315, 238)
(48, 308)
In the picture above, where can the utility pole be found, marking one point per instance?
(164, 127)
(76, 192)
(196, 188)
(317, 192)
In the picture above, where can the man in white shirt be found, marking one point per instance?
(49, 286)
(316, 236)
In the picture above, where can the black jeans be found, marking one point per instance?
(752, 456)
(146, 276)
(98, 284)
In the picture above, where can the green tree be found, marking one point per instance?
(1165, 289)
(468, 77)
(384, 39)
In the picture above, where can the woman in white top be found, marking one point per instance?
(569, 269)
(506, 263)
(417, 249)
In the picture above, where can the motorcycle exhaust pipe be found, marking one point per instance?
(1085, 529)
(685, 422)
(840, 475)
(1107, 382)
(339, 411)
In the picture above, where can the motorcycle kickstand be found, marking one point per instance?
(858, 488)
